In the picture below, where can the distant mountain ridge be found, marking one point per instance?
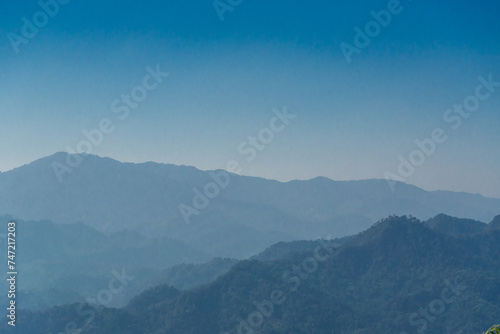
(247, 216)
(60, 263)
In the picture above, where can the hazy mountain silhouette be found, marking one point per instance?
(62, 263)
(247, 216)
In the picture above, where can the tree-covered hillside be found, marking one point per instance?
(399, 276)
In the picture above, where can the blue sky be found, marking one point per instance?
(353, 120)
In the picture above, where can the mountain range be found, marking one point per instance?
(399, 276)
(246, 215)
(107, 217)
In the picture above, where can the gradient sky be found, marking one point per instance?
(353, 119)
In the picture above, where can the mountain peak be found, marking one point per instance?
(389, 229)
(455, 226)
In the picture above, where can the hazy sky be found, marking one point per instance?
(354, 120)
